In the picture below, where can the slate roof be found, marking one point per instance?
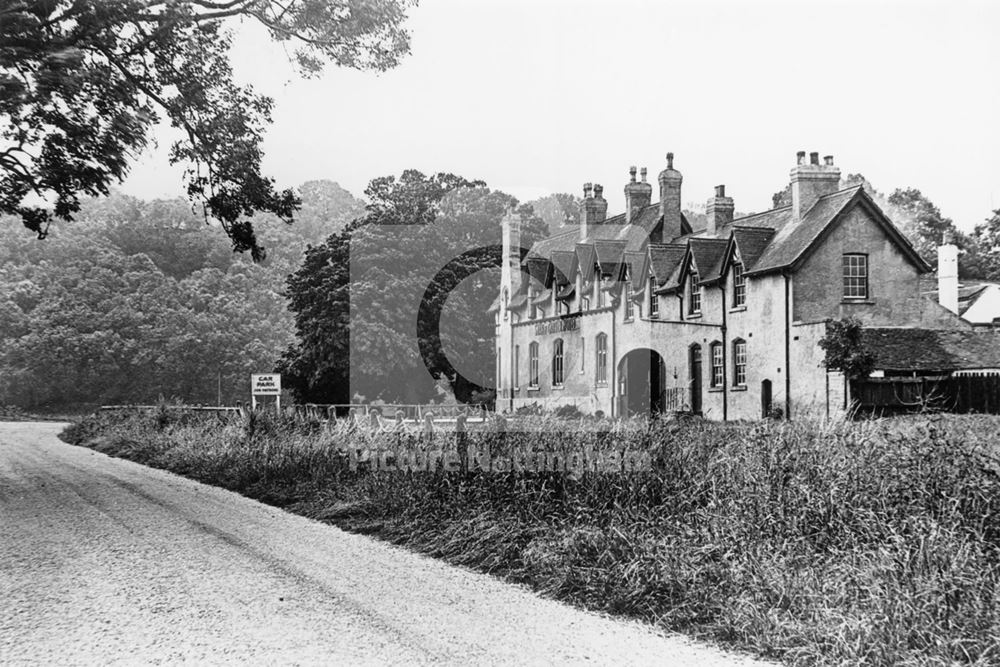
(610, 255)
(586, 259)
(932, 349)
(751, 242)
(638, 266)
(539, 268)
(565, 265)
(664, 260)
(792, 242)
(967, 296)
(767, 241)
(708, 254)
(794, 238)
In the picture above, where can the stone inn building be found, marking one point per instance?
(640, 312)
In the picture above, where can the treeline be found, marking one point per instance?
(136, 301)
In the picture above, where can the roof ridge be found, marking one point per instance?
(754, 229)
(754, 215)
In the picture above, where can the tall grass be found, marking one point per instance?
(850, 543)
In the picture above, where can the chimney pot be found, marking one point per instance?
(631, 173)
(642, 172)
(814, 158)
(670, 160)
(800, 157)
(586, 190)
(720, 190)
(829, 160)
(598, 191)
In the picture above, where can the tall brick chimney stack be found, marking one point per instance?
(600, 204)
(812, 180)
(719, 210)
(585, 209)
(670, 199)
(637, 195)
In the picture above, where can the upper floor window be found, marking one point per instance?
(718, 369)
(694, 294)
(533, 365)
(563, 307)
(583, 355)
(504, 303)
(557, 363)
(739, 286)
(600, 292)
(855, 276)
(532, 309)
(585, 303)
(739, 363)
(654, 301)
(516, 381)
(629, 306)
(602, 358)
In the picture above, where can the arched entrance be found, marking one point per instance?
(641, 383)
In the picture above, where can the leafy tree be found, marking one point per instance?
(558, 210)
(358, 297)
(139, 299)
(83, 83)
(845, 350)
(987, 239)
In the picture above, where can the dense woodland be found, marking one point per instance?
(136, 301)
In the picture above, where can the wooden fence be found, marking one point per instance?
(956, 393)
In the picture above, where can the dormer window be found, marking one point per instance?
(532, 309)
(629, 306)
(694, 294)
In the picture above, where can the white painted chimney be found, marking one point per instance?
(948, 275)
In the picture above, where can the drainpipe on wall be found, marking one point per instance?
(614, 367)
(511, 380)
(788, 346)
(725, 358)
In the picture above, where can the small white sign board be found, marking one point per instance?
(265, 384)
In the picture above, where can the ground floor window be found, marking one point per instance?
(740, 363)
(557, 363)
(717, 365)
(533, 365)
(602, 359)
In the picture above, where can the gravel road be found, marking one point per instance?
(105, 561)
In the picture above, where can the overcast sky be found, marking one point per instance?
(540, 96)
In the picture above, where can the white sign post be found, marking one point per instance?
(267, 384)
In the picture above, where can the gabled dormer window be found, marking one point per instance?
(694, 294)
(629, 306)
(532, 309)
(739, 286)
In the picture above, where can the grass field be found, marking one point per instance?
(840, 543)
